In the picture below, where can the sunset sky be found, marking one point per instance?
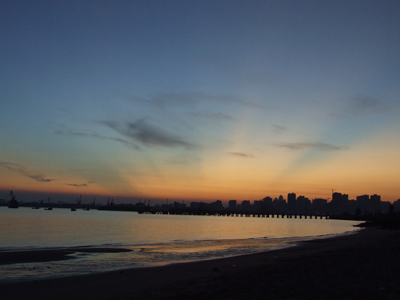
(200, 100)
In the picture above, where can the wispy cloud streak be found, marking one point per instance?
(278, 128)
(360, 104)
(96, 136)
(167, 100)
(77, 185)
(20, 169)
(241, 154)
(212, 116)
(148, 135)
(312, 146)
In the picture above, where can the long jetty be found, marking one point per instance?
(143, 209)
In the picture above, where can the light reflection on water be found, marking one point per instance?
(154, 239)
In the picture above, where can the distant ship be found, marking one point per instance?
(13, 202)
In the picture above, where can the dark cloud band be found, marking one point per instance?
(314, 146)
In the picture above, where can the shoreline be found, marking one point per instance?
(42, 270)
(51, 254)
(37, 255)
(361, 265)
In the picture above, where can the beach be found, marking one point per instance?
(363, 265)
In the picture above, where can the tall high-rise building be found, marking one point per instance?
(246, 205)
(336, 203)
(303, 205)
(291, 198)
(280, 205)
(362, 203)
(232, 205)
(320, 206)
(375, 203)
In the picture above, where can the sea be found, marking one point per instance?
(155, 240)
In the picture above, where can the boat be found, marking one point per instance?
(13, 202)
(49, 203)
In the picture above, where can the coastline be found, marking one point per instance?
(362, 265)
(19, 265)
(47, 255)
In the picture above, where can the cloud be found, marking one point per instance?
(359, 105)
(362, 103)
(312, 146)
(96, 136)
(241, 154)
(161, 100)
(20, 169)
(40, 178)
(278, 128)
(11, 166)
(212, 116)
(77, 185)
(148, 135)
(168, 100)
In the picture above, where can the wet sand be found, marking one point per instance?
(28, 256)
(365, 265)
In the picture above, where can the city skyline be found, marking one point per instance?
(47, 198)
(200, 100)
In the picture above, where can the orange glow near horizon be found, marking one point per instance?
(201, 113)
(366, 169)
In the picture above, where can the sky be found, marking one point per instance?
(200, 100)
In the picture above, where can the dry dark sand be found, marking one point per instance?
(365, 265)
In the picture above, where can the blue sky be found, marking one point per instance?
(200, 99)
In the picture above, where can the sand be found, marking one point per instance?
(365, 265)
(28, 256)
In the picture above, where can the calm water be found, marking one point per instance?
(154, 239)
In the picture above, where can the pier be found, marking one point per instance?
(143, 209)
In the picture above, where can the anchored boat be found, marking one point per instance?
(13, 202)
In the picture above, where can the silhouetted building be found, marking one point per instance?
(232, 205)
(338, 203)
(280, 205)
(396, 205)
(178, 205)
(194, 205)
(291, 203)
(375, 203)
(369, 205)
(216, 206)
(384, 206)
(257, 205)
(267, 201)
(362, 203)
(350, 207)
(303, 205)
(266, 205)
(319, 206)
(245, 206)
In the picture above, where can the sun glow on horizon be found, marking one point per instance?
(237, 103)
